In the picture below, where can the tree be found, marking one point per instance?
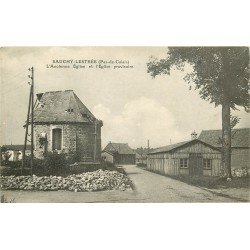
(221, 74)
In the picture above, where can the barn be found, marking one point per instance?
(240, 145)
(193, 157)
(119, 153)
(63, 124)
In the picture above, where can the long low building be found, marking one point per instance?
(193, 157)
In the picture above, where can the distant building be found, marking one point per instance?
(63, 124)
(14, 152)
(240, 145)
(119, 153)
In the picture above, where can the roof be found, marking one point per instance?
(168, 147)
(16, 147)
(173, 147)
(61, 106)
(121, 148)
(240, 137)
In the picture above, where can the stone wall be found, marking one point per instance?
(98, 143)
(77, 139)
(85, 142)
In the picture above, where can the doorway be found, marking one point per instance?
(195, 164)
(56, 139)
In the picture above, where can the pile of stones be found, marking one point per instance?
(90, 181)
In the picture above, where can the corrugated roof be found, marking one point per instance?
(61, 106)
(121, 148)
(168, 147)
(173, 147)
(240, 137)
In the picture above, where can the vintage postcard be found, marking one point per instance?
(125, 124)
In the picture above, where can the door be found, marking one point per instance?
(195, 164)
(56, 139)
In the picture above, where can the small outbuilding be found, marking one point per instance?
(119, 153)
(193, 157)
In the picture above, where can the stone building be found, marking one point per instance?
(63, 124)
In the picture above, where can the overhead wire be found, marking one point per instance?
(13, 77)
(12, 83)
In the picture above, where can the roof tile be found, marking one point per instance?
(61, 106)
(121, 148)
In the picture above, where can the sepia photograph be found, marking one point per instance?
(125, 124)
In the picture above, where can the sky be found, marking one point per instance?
(134, 106)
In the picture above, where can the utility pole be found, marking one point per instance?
(26, 131)
(32, 121)
(29, 113)
(148, 146)
(95, 135)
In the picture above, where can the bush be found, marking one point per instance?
(52, 164)
(55, 164)
(239, 172)
(12, 164)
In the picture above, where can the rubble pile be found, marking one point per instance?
(90, 181)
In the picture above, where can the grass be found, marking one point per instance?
(142, 165)
(214, 182)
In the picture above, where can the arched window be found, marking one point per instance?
(56, 139)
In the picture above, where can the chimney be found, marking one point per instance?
(194, 135)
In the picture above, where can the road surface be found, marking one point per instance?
(148, 187)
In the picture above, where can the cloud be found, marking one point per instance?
(133, 106)
(140, 119)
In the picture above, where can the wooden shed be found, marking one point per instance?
(192, 157)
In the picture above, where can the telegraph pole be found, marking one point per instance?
(30, 114)
(32, 121)
(95, 135)
(26, 130)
